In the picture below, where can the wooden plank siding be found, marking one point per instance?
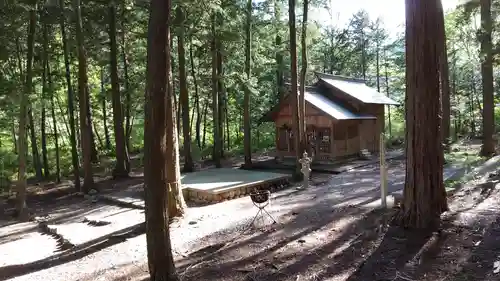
(347, 137)
(377, 126)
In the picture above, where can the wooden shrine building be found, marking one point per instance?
(343, 117)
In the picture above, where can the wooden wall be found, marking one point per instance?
(313, 117)
(347, 137)
(378, 126)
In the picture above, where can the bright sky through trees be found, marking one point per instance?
(391, 11)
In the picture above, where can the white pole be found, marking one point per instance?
(383, 172)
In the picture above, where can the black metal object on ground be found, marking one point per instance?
(261, 200)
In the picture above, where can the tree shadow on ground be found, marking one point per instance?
(397, 253)
(360, 250)
(73, 254)
(466, 249)
(57, 197)
(67, 210)
(305, 215)
(479, 254)
(458, 253)
(296, 246)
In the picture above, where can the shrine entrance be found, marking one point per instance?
(318, 141)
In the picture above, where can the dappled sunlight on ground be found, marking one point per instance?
(326, 232)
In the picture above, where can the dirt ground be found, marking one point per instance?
(328, 232)
(356, 244)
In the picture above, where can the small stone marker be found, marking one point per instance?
(306, 168)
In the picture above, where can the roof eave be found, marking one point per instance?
(385, 103)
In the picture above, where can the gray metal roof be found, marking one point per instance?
(330, 107)
(356, 88)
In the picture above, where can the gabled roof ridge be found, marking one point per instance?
(356, 89)
(339, 77)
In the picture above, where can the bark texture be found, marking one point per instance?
(120, 169)
(184, 95)
(303, 73)
(424, 193)
(247, 137)
(71, 100)
(294, 88)
(445, 81)
(215, 99)
(46, 169)
(157, 146)
(85, 125)
(280, 66)
(22, 184)
(486, 57)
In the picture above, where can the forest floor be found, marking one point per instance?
(331, 231)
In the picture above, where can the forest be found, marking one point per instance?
(113, 36)
(74, 74)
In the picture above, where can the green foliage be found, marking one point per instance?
(8, 168)
(350, 50)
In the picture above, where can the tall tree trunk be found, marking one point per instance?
(176, 204)
(184, 95)
(247, 138)
(45, 161)
(488, 147)
(377, 55)
(280, 64)
(363, 55)
(471, 106)
(46, 170)
(61, 108)
(196, 93)
(220, 87)
(71, 100)
(22, 184)
(331, 56)
(99, 140)
(173, 69)
(215, 98)
(94, 155)
(205, 124)
(294, 88)
(454, 94)
(120, 170)
(54, 122)
(303, 73)
(158, 169)
(129, 119)
(85, 125)
(34, 147)
(388, 95)
(104, 112)
(445, 82)
(14, 139)
(226, 115)
(240, 124)
(128, 94)
(424, 192)
(78, 135)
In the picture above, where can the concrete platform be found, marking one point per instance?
(216, 185)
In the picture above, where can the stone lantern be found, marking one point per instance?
(306, 168)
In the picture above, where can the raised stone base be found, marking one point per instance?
(220, 185)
